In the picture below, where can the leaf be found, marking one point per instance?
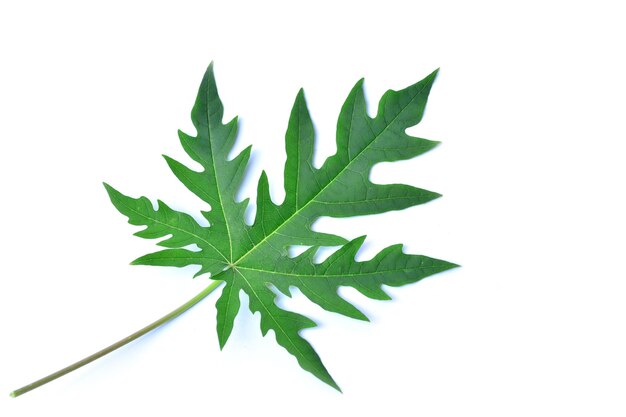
(253, 259)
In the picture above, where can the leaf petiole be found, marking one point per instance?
(160, 322)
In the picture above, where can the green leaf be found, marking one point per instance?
(254, 259)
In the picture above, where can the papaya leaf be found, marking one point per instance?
(254, 258)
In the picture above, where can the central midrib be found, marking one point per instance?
(270, 315)
(217, 180)
(301, 209)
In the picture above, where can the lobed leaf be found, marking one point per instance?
(253, 259)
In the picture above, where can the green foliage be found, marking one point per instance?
(254, 258)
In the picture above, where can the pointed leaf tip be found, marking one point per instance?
(451, 265)
(208, 80)
(112, 192)
(360, 239)
(300, 101)
(358, 87)
(433, 75)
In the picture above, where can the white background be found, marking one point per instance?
(529, 105)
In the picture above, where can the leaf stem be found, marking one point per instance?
(160, 322)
